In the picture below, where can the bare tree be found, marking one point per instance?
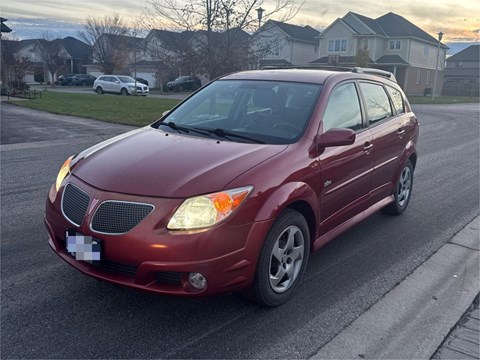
(13, 67)
(109, 37)
(51, 53)
(218, 27)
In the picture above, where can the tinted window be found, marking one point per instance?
(126, 79)
(343, 109)
(397, 100)
(376, 100)
(271, 111)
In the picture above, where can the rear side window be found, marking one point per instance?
(397, 100)
(376, 101)
(343, 109)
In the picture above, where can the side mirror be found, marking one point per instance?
(118, 82)
(336, 137)
(165, 113)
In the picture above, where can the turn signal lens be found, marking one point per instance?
(207, 210)
(64, 171)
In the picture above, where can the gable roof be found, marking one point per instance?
(389, 25)
(303, 33)
(76, 49)
(471, 53)
(4, 28)
(129, 41)
(170, 39)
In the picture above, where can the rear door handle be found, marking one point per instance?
(401, 132)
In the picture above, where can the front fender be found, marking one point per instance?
(285, 195)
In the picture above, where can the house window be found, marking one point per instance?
(394, 45)
(426, 50)
(337, 45)
(427, 82)
(419, 74)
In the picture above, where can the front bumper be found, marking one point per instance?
(150, 257)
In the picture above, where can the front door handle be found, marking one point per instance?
(367, 147)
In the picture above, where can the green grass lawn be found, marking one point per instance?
(442, 100)
(130, 110)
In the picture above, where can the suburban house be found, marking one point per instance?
(462, 73)
(74, 53)
(389, 42)
(282, 44)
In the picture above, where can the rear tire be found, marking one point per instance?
(99, 90)
(282, 261)
(403, 191)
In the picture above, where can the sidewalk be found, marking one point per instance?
(464, 340)
(414, 318)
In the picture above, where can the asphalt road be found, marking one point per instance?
(50, 310)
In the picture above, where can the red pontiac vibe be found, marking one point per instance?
(237, 185)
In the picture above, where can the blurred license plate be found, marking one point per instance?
(83, 247)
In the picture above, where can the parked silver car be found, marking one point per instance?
(119, 84)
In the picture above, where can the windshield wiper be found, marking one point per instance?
(184, 129)
(226, 134)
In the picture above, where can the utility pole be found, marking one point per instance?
(440, 35)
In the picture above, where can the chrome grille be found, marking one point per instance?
(74, 204)
(118, 217)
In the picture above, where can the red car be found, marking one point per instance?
(237, 185)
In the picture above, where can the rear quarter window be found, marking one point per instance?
(397, 100)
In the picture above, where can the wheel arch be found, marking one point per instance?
(409, 153)
(304, 208)
(298, 196)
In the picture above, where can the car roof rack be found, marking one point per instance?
(378, 72)
(358, 70)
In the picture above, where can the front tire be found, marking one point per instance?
(403, 191)
(124, 92)
(282, 261)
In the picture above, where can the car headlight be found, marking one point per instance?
(207, 210)
(64, 171)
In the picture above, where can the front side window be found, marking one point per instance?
(376, 101)
(126, 79)
(343, 109)
(272, 112)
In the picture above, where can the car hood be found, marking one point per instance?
(151, 162)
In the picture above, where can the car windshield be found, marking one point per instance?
(126, 79)
(182, 78)
(272, 112)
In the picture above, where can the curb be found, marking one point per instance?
(413, 319)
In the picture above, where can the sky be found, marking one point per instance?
(458, 20)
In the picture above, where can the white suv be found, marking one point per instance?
(119, 84)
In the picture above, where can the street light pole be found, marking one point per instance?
(260, 12)
(440, 35)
